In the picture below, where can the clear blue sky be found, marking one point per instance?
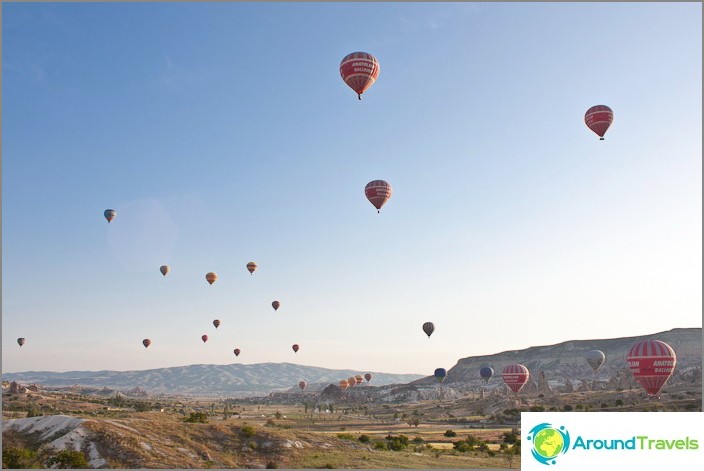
(223, 133)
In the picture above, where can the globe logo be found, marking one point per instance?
(548, 442)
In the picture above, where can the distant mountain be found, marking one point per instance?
(220, 380)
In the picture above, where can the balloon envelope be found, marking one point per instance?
(351, 381)
(343, 384)
(110, 214)
(146, 342)
(295, 347)
(359, 70)
(21, 341)
(164, 269)
(302, 384)
(440, 374)
(428, 328)
(359, 379)
(368, 377)
(275, 305)
(515, 376)
(486, 373)
(378, 192)
(237, 352)
(598, 118)
(251, 266)
(651, 362)
(204, 338)
(595, 358)
(211, 277)
(216, 323)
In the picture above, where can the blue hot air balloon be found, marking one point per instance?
(440, 374)
(486, 373)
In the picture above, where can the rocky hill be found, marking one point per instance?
(207, 380)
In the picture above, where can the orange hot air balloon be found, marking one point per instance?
(302, 385)
(204, 338)
(368, 377)
(598, 118)
(110, 214)
(351, 381)
(216, 323)
(344, 384)
(378, 193)
(251, 266)
(359, 70)
(211, 277)
(651, 362)
(515, 376)
(295, 347)
(276, 305)
(146, 342)
(21, 341)
(164, 269)
(237, 352)
(359, 379)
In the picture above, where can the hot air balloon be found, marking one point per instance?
(110, 214)
(595, 358)
(216, 323)
(204, 338)
(378, 193)
(351, 381)
(276, 305)
(251, 266)
(598, 119)
(295, 347)
(211, 277)
(651, 362)
(164, 269)
(237, 352)
(515, 376)
(359, 379)
(343, 384)
(359, 70)
(368, 377)
(146, 342)
(440, 374)
(21, 341)
(302, 385)
(428, 328)
(486, 373)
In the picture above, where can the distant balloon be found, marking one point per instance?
(598, 118)
(110, 214)
(440, 374)
(343, 384)
(378, 192)
(276, 305)
(486, 373)
(302, 385)
(359, 379)
(359, 70)
(651, 362)
(295, 347)
(146, 342)
(204, 338)
(237, 352)
(515, 376)
(428, 328)
(368, 377)
(164, 269)
(595, 358)
(251, 266)
(21, 341)
(351, 381)
(216, 323)
(211, 277)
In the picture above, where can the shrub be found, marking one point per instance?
(271, 465)
(418, 440)
(537, 409)
(270, 423)
(197, 417)
(619, 402)
(19, 458)
(345, 436)
(450, 433)
(381, 446)
(68, 459)
(248, 431)
(363, 438)
(567, 408)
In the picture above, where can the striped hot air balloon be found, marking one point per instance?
(146, 342)
(211, 277)
(110, 214)
(164, 269)
(251, 266)
(343, 384)
(378, 192)
(651, 362)
(598, 118)
(515, 376)
(359, 70)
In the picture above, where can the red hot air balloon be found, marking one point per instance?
(164, 269)
(302, 385)
(598, 118)
(237, 352)
(359, 70)
(378, 193)
(21, 341)
(368, 377)
(295, 347)
(216, 323)
(251, 266)
(146, 342)
(515, 376)
(343, 384)
(275, 305)
(204, 338)
(651, 362)
(211, 277)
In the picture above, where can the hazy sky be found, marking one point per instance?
(223, 134)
